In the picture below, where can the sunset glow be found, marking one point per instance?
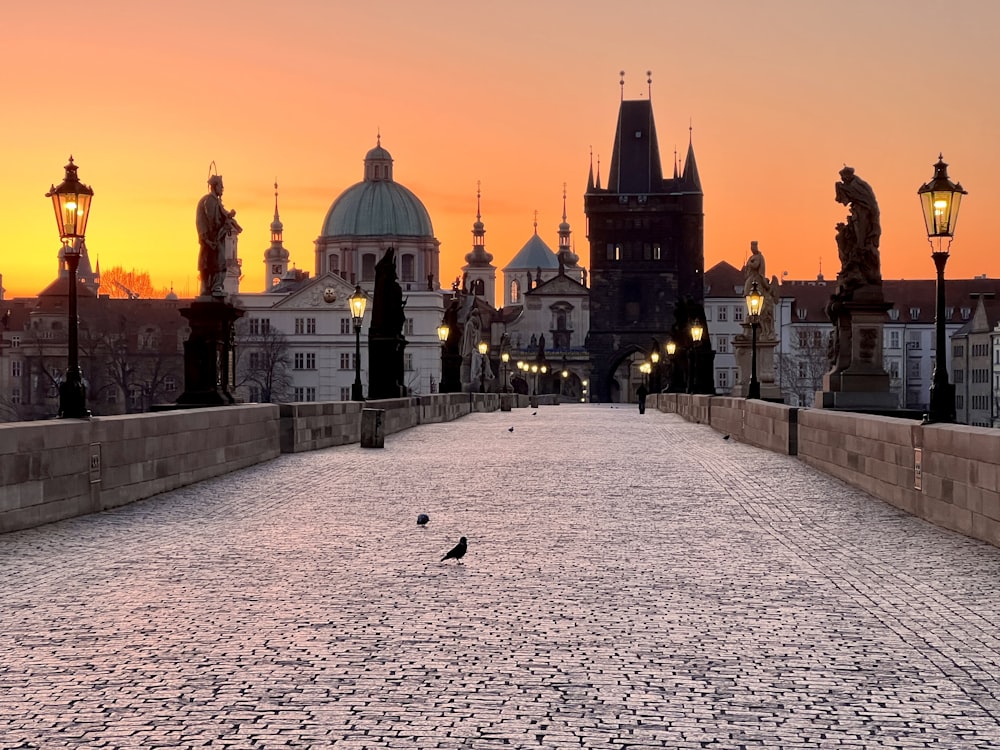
(777, 96)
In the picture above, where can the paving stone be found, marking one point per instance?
(630, 583)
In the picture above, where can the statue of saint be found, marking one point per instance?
(858, 237)
(214, 225)
(754, 271)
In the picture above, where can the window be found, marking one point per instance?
(913, 368)
(408, 327)
(894, 314)
(408, 361)
(345, 325)
(738, 313)
(15, 369)
(722, 344)
(345, 394)
(722, 378)
(259, 326)
(254, 394)
(803, 370)
(334, 262)
(657, 252)
(803, 336)
(958, 350)
(305, 361)
(310, 394)
(515, 292)
(913, 340)
(368, 267)
(255, 360)
(723, 313)
(407, 267)
(894, 368)
(300, 326)
(310, 325)
(966, 312)
(915, 313)
(15, 395)
(894, 340)
(347, 360)
(111, 397)
(15, 341)
(169, 384)
(960, 402)
(949, 313)
(299, 394)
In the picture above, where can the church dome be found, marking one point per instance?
(377, 208)
(377, 205)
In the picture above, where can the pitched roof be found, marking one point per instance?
(534, 254)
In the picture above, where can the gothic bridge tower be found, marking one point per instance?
(646, 237)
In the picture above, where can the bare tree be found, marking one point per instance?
(262, 361)
(134, 284)
(801, 368)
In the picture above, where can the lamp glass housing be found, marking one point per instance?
(755, 300)
(940, 200)
(359, 300)
(697, 331)
(443, 331)
(671, 348)
(483, 347)
(71, 202)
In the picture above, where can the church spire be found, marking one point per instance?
(691, 179)
(276, 256)
(478, 256)
(590, 175)
(566, 255)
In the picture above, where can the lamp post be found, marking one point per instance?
(755, 303)
(483, 348)
(443, 330)
(504, 366)
(562, 383)
(645, 368)
(654, 358)
(697, 330)
(71, 201)
(358, 302)
(940, 199)
(671, 348)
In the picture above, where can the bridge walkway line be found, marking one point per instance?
(631, 582)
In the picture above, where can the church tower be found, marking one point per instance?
(646, 237)
(276, 256)
(479, 272)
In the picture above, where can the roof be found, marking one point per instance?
(534, 254)
(724, 279)
(375, 208)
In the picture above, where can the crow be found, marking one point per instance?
(457, 552)
(422, 519)
(510, 429)
(534, 413)
(725, 437)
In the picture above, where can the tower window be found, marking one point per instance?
(334, 264)
(515, 292)
(407, 266)
(368, 267)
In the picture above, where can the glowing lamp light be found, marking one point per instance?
(755, 301)
(443, 331)
(940, 199)
(483, 348)
(505, 356)
(358, 300)
(71, 201)
(697, 331)
(671, 348)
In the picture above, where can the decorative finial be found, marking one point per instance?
(649, 84)
(564, 202)
(622, 83)
(536, 221)
(378, 136)
(478, 193)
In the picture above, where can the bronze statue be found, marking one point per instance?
(858, 237)
(214, 225)
(754, 270)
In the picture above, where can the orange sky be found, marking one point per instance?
(781, 94)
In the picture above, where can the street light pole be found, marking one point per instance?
(697, 331)
(483, 349)
(71, 201)
(358, 302)
(940, 199)
(755, 303)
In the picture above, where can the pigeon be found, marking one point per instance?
(534, 413)
(510, 429)
(725, 437)
(422, 519)
(457, 552)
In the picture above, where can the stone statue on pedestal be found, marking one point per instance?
(214, 225)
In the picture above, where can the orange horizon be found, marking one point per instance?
(777, 99)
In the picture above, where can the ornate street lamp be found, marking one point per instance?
(654, 358)
(940, 199)
(71, 201)
(645, 368)
(504, 366)
(359, 300)
(755, 304)
(483, 348)
(697, 330)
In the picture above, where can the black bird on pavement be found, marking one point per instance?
(510, 429)
(725, 437)
(534, 413)
(457, 552)
(422, 519)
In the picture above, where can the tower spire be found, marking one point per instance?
(649, 85)
(622, 83)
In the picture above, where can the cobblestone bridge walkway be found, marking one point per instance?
(631, 582)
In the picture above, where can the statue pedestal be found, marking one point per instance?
(209, 355)
(858, 381)
(743, 349)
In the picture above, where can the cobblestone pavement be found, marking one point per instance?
(631, 582)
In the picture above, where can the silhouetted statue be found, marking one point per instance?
(214, 225)
(858, 236)
(385, 336)
(754, 270)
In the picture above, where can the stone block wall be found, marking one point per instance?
(955, 484)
